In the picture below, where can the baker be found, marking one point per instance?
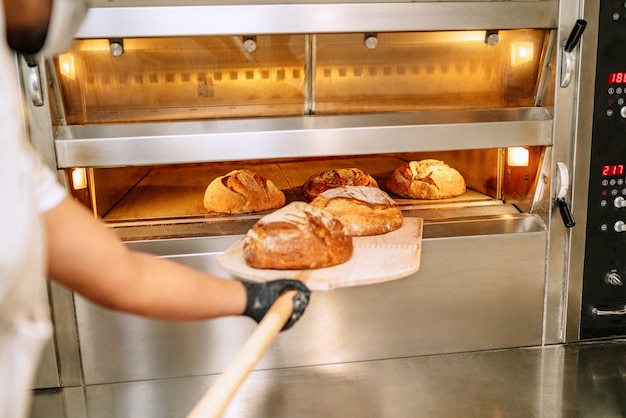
(44, 233)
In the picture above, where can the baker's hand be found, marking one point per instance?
(261, 296)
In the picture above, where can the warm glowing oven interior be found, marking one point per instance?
(119, 81)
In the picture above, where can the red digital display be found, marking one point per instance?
(612, 170)
(617, 78)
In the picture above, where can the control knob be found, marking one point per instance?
(620, 226)
(614, 279)
(619, 202)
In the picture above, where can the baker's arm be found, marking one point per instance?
(88, 258)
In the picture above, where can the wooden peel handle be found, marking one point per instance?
(216, 399)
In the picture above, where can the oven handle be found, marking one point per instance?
(568, 66)
(563, 184)
(568, 59)
(600, 312)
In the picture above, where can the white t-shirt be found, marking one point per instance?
(27, 189)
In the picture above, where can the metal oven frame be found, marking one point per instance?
(484, 283)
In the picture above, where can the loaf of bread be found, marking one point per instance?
(297, 237)
(426, 179)
(338, 177)
(242, 191)
(363, 210)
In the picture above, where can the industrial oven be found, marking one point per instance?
(154, 100)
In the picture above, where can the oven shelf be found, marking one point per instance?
(167, 202)
(174, 194)
(298, 137)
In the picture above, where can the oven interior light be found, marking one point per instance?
(79, 178)
(521, 52)
(66, 64)
(443, 37)
(517, 157)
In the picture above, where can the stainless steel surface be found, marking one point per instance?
(314, 136)
(48, 372)
(557, 381)
(65, 336)
(565, 114)
(39, 125)
(148, 21)
(397, 319)
(580, 193)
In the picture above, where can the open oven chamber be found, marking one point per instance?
(152, 102)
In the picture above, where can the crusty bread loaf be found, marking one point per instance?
(363, 210)
(297, 237)
(242, 191)
(426, 179)
(338, 177)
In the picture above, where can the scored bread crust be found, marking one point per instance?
(242, 191)
(297, 237)
(363, 210)
(337, 177)
(426, 179)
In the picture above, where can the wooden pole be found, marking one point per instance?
(216, 399)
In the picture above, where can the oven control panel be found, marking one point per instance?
(604, 280)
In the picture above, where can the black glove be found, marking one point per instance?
(261, 296)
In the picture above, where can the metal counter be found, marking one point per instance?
(579, 380)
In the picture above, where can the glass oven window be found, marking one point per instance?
(182, 78)
(216, 77)
(427, 70)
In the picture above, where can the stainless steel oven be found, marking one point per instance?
(154, 100)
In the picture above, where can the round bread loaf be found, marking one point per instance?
(297, 237)
(426, 179)
(242, 191)
(337, 177)
(363, 210)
